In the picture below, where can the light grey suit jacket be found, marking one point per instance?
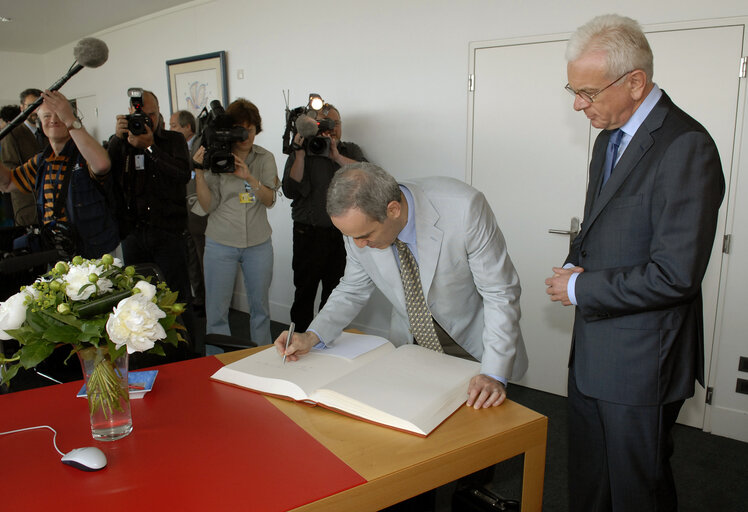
(468, 279)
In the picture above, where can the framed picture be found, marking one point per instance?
(196, 81)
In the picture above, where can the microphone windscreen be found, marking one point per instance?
(306, 126)
(91, 52)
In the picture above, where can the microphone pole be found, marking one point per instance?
(20, 118)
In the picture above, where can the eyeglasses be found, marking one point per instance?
(590, 98)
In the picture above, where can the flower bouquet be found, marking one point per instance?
(102, 312)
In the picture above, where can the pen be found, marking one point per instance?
(288, 339)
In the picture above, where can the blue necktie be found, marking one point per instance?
(611, 153)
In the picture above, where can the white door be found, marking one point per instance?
(529, 154)
(88, 111)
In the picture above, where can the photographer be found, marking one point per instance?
(238, 232)
(67, 180)
(151, 167)
(318, 251)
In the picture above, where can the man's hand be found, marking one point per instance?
(300, 344)
(60, 105)
(120, 129)
(334, 154)
(558, 284)
(484, 392)
(298, 145)
(143, 140)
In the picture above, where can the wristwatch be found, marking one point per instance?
(75, 125)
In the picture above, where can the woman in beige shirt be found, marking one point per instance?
(238, 232)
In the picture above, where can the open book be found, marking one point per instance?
(408, 388)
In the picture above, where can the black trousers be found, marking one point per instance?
(619, 455)
(195, 242)
(318, 257)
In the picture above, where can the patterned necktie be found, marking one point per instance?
(421, 323)
(611, 153)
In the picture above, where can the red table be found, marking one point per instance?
(196, 445)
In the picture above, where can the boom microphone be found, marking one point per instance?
(89, 53)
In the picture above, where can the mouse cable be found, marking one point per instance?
(54, 438)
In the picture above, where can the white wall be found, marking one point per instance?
(396, 69)
(20, 71)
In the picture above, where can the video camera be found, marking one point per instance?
(138, 120)
(298, 121)
(218, 134)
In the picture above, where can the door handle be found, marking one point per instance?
(572, 232)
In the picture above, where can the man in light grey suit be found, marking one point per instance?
(634, 272)
(468, 280)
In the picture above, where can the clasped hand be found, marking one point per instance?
(558, 284)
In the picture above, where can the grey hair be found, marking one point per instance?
(621, 38)
(364, 186)
(185, 118)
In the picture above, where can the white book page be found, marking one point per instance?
(412, 388)
(350, 346)
(266, 372)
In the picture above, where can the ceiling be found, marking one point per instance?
(40, 26)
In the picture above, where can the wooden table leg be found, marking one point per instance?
(533, 476)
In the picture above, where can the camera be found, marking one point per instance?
(138, 120)
(299, 121)
(218, 134)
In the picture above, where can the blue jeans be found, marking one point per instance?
(220, 273)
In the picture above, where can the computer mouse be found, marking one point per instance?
(88, 458)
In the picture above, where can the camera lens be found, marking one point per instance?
(317, 145)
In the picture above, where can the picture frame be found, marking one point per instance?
(196, 81)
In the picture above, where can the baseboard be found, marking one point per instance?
(729, 423)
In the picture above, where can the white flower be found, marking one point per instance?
(13, 311)
(134, 323)
(78, 276)
(146, 289)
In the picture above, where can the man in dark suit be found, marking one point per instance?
(23, 143)
(634, 272)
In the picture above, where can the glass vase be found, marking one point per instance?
(108, 393)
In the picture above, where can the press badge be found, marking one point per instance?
(247, 197)
(139, 162)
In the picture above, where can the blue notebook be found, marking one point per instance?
(140, 383)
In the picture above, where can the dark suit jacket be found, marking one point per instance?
(645, 244)
(18, 148)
